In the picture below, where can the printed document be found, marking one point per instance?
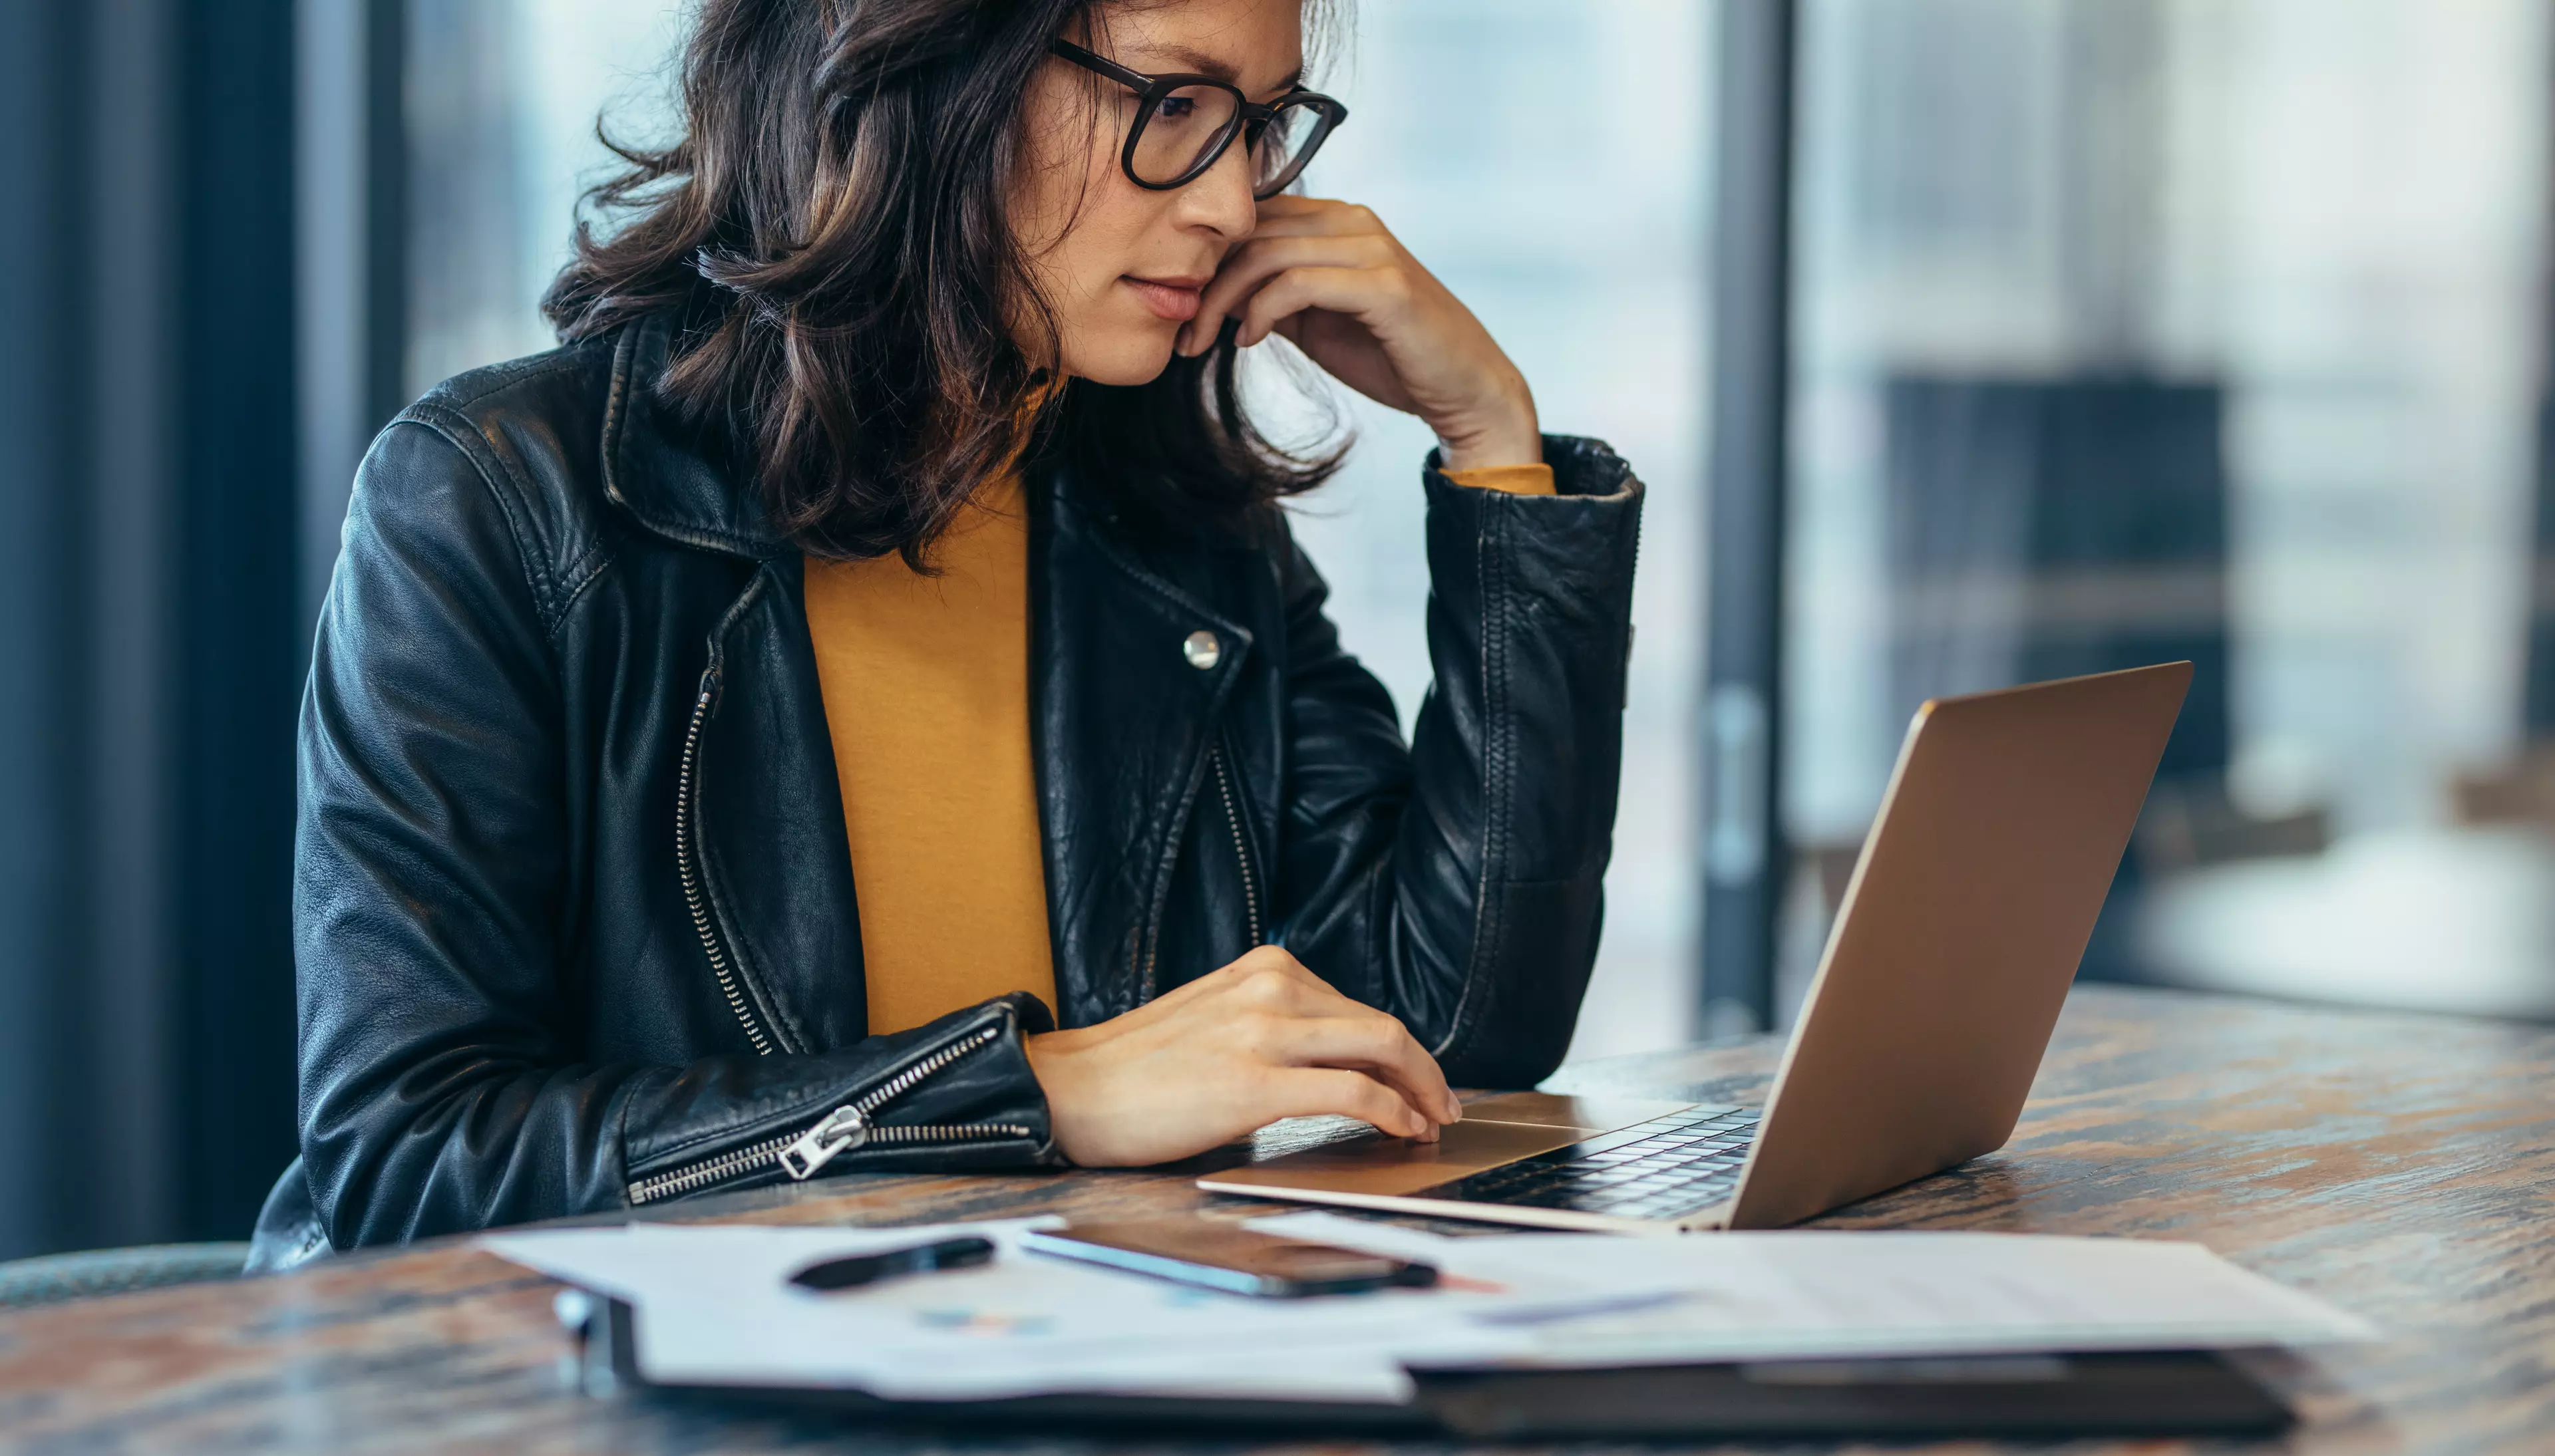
(1803, 1294)
(713, 1307)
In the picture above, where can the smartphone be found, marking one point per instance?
(1216, 1254)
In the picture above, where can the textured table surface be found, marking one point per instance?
(2402, 1166)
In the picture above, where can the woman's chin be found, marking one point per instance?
(1128, 358)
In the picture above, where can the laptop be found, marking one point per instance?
(1953, 948)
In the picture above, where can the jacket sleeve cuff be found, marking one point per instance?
(965, 1076)
(1514, 480)
(1573, 465)
(995, 1086)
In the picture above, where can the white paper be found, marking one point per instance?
(1817, 1295)
(714, 1307)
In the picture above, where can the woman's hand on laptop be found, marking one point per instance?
(1227, 1054)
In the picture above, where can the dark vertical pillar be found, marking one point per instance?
(351, 238)
(2537, 691)
(385, 210)
(1744, 854)
(2537, 701)
(38, 765)
(116, 1090)
(83, 424)
(147, 477)
(238, 656)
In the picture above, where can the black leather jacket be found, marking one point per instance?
(574, 906)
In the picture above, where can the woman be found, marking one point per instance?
(732, 733)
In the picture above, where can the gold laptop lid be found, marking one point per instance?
(1959, 934)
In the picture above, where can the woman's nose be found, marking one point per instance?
(1221, 197)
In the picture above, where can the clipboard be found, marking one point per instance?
(2158, 1394)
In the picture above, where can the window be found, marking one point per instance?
(2159, 330)
(503, 98)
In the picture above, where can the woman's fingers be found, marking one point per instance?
(1285, 203)
(1376, 1044)
(1284, 214)
(1359, 290)
(1253, 264)
(1338, 1092)
(1319, 1024)
(1287, 1014)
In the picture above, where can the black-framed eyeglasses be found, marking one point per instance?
(1184, 123)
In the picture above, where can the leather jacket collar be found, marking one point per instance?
(658, 475)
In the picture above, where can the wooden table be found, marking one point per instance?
(2402, 1166)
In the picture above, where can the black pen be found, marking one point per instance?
(853, 1271)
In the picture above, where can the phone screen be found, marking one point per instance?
(1219, 1255)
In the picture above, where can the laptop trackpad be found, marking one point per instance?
(1556, 1110)
(1394, 1165)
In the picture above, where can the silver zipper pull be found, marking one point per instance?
(843, 1130)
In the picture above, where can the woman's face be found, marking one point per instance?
(1120, 266)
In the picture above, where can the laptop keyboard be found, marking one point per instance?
(1666, 1168)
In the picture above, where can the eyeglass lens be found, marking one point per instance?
(1185, 128)
(1181, 130)
(1282, 146)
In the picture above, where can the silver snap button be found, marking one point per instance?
(1202, 650)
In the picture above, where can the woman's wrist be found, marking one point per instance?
(1507, 433)
(1045, 1050)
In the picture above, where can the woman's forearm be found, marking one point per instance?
(1462, 891)
(429, 1141)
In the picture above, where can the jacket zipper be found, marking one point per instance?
(687, 818)
(1241, 842)
(802, 1151)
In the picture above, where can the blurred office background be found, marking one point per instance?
(1962, 342)
(2193, 328)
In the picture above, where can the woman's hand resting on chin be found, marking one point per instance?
(1227, 1054)
(1328, 278)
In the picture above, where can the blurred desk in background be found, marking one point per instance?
(2457, 919)
(2399, 1166)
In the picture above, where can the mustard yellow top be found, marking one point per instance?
(927, 688)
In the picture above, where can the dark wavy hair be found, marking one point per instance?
(830, 236)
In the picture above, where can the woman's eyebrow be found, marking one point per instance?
(1199, 63)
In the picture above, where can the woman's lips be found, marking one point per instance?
(1176, 301)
